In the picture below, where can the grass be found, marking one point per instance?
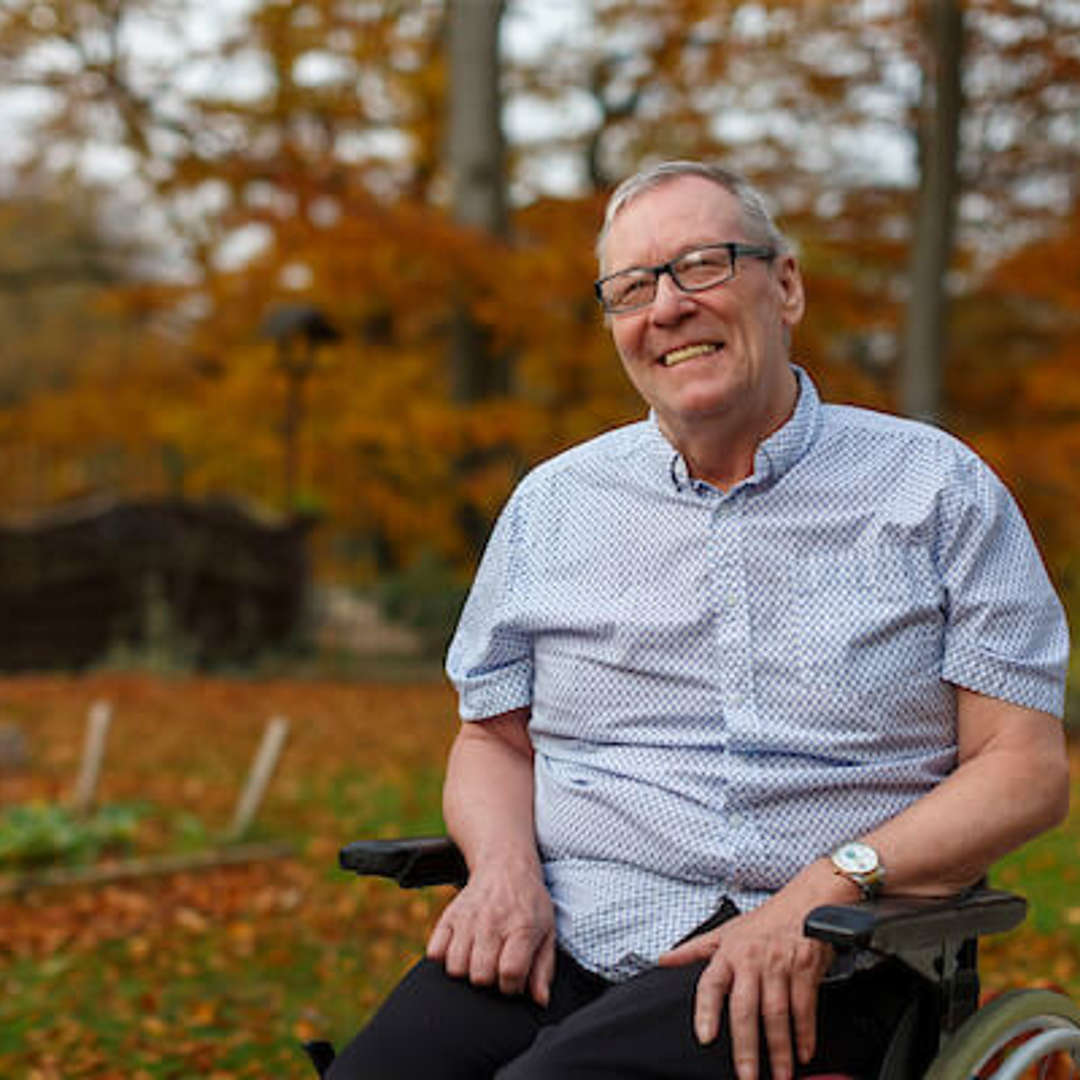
(222, 973)
(1045, 950)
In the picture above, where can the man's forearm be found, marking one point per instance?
(994, 802)
(488, 792)
(1012, 783)
(500, 929)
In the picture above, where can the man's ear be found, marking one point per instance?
(792, 298)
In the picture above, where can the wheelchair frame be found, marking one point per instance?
(943, 1034)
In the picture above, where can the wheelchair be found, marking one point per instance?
(942, 1035)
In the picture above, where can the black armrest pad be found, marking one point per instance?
(412, 862)
(891, 923)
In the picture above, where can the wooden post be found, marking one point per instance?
(133, 869)
(262, 768)
(98, 720)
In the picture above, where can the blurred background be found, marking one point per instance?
(331, 262)
(293, 292)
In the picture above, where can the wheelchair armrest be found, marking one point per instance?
(412, 862)
(891, 924)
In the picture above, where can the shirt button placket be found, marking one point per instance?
(731, 620)
(731, 614)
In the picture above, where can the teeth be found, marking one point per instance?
(677, 356)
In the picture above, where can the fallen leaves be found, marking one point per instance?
(80, 919)
(217, 973)
(221, 973)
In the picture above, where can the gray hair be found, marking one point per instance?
(760, 227)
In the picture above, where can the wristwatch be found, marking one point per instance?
(860, 864)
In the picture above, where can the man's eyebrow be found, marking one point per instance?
(686, 249)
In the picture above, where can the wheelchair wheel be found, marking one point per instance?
(1023, 1033)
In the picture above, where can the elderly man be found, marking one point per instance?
(745, 657)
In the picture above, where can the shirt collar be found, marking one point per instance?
(776, 454)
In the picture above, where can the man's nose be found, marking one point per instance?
(670, 301)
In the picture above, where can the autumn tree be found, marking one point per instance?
(1025, 317)
(303, 155)
(57, 267)
(296, 121)
(834, 108)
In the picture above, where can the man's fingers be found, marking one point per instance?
(493, 952)
(495, 941)
(458, 954)
(516, 960)
(776, 1020)
(744, 1004)
(485, 959)
(697, 948)
(713, 986)
(810, 965)
(439, 941)
(543, 972)
(769, 981)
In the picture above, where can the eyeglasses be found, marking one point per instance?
(692, 271)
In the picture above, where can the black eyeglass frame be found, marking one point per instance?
(734, 250)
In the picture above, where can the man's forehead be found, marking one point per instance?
(680, 213)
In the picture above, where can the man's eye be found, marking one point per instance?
(703, 268)
(632, 289)
(703, 260)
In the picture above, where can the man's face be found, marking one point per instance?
(696, 357)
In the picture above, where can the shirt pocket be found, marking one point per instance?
(865, 618)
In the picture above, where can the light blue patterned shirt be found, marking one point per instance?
(726, 685)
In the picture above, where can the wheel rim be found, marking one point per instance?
(992, 1037)
(1043, 1048)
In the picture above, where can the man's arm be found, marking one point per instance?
(1010, 784)
(500, 929)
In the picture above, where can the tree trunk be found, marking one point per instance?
(925, 336)
(477, 184)
(478, 197)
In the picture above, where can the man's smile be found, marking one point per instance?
(688, 352)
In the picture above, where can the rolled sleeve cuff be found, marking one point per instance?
(494, 692)
(1010, 680)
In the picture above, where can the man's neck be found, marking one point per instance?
(721, 449)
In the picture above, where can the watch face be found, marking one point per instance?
(856, 859)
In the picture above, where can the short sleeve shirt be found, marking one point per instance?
(724, 686)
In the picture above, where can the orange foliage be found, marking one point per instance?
(1016, 380)
(195, 403)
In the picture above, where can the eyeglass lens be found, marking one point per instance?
(693, 271)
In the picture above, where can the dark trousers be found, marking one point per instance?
(440, 1028)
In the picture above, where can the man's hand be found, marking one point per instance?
(769, 973)
(499, 931)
